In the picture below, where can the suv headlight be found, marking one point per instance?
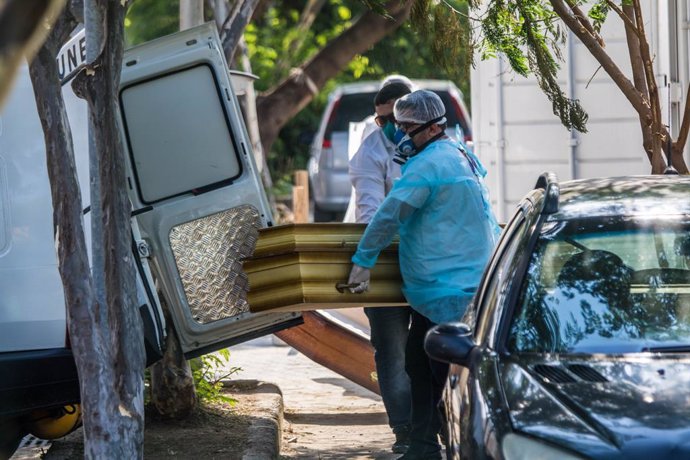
(516, 447)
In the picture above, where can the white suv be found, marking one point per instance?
(353, 102)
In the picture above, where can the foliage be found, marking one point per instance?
(529, 33)
(404, 52)
(271, 47)
(598, 13)
(147, 20)
(209, 371)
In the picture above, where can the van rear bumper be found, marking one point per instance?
(37, 379)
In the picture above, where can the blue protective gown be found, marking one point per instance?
(441, 210)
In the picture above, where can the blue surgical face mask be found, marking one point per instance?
(389, 131)
(405, 148)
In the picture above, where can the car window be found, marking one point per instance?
(606, 284)
(350, 108)
(357, 106)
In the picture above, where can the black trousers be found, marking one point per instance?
(427, 379)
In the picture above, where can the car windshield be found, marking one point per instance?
(606, 285)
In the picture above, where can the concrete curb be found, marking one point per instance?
(265, 432)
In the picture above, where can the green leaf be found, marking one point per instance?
(344, 13)
(598, 14)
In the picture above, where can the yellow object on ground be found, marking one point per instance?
(53, 424)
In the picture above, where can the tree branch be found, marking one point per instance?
(685, 126)
(582, 18)
(234, 26)
(679, 145)
(637, 67)
(659, 132)
(633, 95)
(311, 9)
(629, 24)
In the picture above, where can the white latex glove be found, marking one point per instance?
(360, 276)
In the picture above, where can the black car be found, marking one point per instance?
(577, 344)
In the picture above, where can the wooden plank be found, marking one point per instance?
(300, 204)
(335, 347)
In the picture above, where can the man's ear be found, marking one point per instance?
(435, 129)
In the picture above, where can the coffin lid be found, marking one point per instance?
(307, 237)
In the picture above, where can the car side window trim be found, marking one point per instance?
(508, 236)
(509, 308)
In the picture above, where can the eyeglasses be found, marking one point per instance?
(406, 126)
(381, 120)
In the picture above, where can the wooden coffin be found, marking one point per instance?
(300, 267)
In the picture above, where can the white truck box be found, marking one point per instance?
(517, 136)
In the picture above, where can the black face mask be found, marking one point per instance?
(406, 148)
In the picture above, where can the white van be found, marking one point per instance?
(197, 202)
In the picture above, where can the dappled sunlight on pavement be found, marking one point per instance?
(326, 416)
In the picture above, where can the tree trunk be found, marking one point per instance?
(656, 125)
(233, 27)
(172, 385)
(252, 122)
(113, 395)
(290, 96)
(639, 79)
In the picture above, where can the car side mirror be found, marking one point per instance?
(451, 343)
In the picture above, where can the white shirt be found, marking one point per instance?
(372, 173)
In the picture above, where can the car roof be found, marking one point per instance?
(372, 86)
(624, 196)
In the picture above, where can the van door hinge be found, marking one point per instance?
(143, 249)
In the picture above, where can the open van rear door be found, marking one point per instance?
(195, 187)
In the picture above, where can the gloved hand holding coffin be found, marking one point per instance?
(359, 279)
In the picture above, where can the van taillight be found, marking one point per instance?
(326, 144)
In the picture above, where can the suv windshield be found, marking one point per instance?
(606, 285)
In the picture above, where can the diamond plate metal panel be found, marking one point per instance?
(208, 254)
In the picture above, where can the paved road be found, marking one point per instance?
(326, 415)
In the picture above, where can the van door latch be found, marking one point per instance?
(143, 249)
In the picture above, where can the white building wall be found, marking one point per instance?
(518, 137)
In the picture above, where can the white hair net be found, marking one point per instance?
(419, 107)
(395, 78)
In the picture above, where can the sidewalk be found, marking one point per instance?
(325, 415)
